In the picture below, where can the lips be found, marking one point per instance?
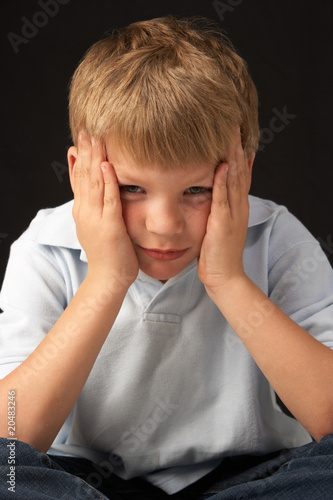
(167, 255)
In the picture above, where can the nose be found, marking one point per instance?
(165, 218)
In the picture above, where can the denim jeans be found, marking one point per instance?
(304, 473)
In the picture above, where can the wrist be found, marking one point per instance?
(244, 305)
(228, 288)
(106, 287)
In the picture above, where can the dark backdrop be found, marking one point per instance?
(289, 48)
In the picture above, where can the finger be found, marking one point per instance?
(79, 173)
(238, 176)
(96, 191)
(232, 154)
(111, 200)
(242, 162)
(220, 201)
(83, 166)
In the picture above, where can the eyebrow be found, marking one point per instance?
(127, 180)
(134, 177)
(204, 181)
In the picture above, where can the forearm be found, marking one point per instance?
(50, 380)
(299, 368)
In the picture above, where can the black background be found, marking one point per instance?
(288, 45)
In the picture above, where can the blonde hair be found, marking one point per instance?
(169, 91)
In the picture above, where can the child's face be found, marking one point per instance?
(165, 212)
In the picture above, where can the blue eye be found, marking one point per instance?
(131, 189)
(197, 190)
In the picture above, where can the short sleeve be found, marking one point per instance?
(301, 279)
(33, 297)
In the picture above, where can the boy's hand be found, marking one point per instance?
(220, 262)
(97, 213)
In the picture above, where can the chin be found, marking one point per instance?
(161, 272)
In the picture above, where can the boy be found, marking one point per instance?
(166, 310)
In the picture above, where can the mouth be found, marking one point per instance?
(170, 254)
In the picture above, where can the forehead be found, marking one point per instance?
(126, 167)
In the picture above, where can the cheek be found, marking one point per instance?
(197, 220)
(131, 217)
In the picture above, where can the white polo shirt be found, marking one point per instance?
(173, 389)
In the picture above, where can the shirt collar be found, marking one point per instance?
(260, 210)
(56, 226)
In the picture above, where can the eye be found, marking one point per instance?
(131, 189)
(197, 190)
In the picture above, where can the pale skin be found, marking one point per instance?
(165, 210)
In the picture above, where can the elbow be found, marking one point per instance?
(321, 433)
(322, 426)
